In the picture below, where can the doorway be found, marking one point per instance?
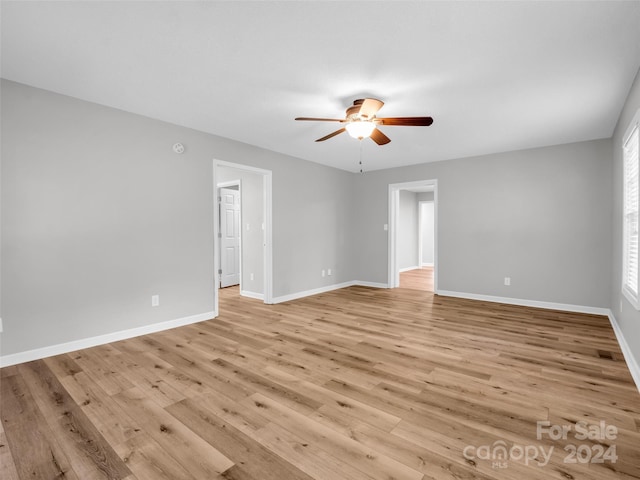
(250, 229)
(229, 252)
(412, 246)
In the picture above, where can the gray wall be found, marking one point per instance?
(252, 235)
(427, 233)
(425, 196)
(428, 228)
(407, 254)
(627, 316)
(312, 227)
(98, 214)
(540, 216)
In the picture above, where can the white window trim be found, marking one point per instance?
(629, 294)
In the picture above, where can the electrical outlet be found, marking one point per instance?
(329, 272)
(386, 227)
(155, 300)
(251, 276)
(507, 281)
(323, 273)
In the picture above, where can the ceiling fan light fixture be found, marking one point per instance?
(361, 121)
(360, 129)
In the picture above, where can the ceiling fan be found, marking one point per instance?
(361, 121)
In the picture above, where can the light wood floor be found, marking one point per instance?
(358, 383)
(418, 279)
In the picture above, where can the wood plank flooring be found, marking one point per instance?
(418, 279)
(358, 383)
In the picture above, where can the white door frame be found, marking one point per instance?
(267, 216)
(394, 213)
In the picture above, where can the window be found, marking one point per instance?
(630, 149)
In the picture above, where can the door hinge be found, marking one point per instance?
(219, 271)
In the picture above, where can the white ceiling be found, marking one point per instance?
(495, 76)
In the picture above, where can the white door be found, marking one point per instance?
(229, 237)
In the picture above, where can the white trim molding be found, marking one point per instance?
(267, 185)
(328, 288)
(393, 272)
(59, 349)
(363, 283)
(565, 307)
(632, 362)
(248, 294)
(408, 269)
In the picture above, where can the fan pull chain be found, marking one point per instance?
(360, 163)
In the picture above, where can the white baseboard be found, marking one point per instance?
(566, 307)
(247, 293)
(328, 288)
(38, 353)
(363, 283)
(407, 269)
(632, 362)
(427, 264)
(307, 293)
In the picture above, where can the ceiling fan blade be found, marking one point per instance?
(379, 137)
(331, 135)
(370, 107)
(312, 119)
(406, 121)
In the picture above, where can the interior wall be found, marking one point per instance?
(627, 316)
(407, 254)
(427, 222)
(252, 217)
(427, 234)
(425, 197)
(99, 214)
(540, 216)
(312, 225)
